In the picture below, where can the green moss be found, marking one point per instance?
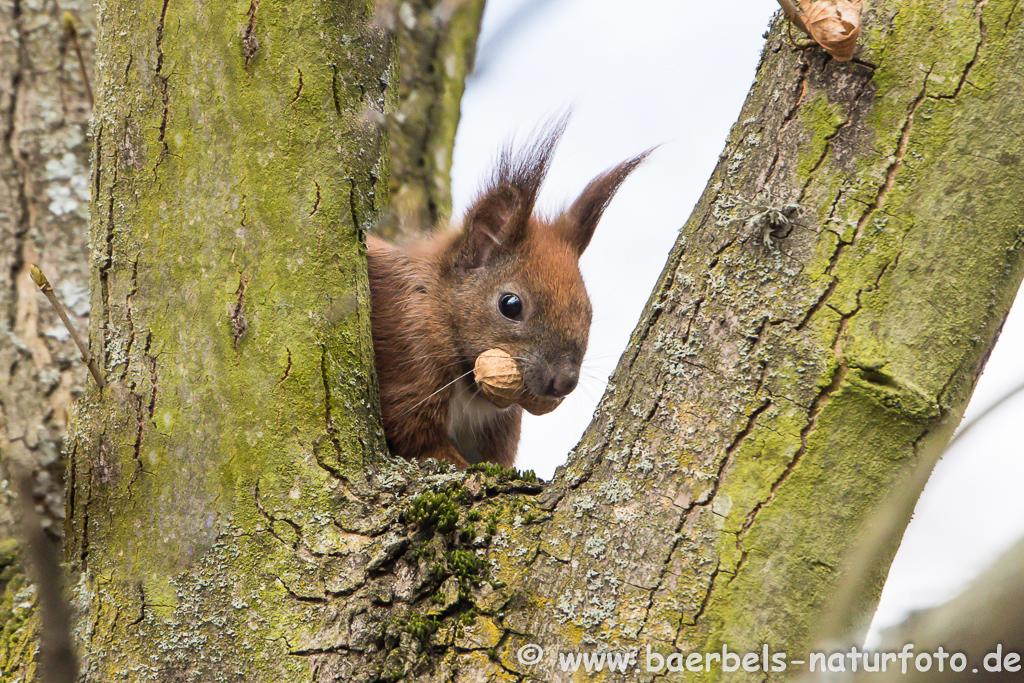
(420, 628)
(434, 512)
(492, 524)
(503, 474)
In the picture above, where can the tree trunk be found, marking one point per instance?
(772, 396)
(229, 517)
(436, 49)
(44, 198)
(234, 172)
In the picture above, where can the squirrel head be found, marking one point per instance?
(514, 278)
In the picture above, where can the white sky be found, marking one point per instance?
(663, 72)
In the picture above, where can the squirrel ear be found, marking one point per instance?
(492, 224)
(586, 211)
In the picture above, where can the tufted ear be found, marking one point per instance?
(495, 222)
(586, 211)
(499, 220)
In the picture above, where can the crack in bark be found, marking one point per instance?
(915, 445)
(729, 452)
(838, 376)
(873, 206)
(1009, 17)
(250, 44)
(758, 338)
(334, 89)
(137, 446)
(801, 90)
(288, 367)
(152, 373)
(901, 150)
(678, 536)
(83, 555)
(160, 37)
(739, 567)
(239, 323)
(128, 314)
(703, 603)
(821, 400)
(506, 633)
(819, 304)
(328, 421)
(850, 116)
(142, 606)
(271, 519)
(762, 379)
(332, 650)
(164, 96)
(162, 139)
(301, 598)
(298, 92)
(142, 414)
(982, 39)
(108, 257)
(316, 203)
(832, 209)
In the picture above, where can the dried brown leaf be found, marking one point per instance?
(833, 24)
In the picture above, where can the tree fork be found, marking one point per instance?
(821, 320)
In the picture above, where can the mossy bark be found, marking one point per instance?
(773, 395)
(228, 516)
(235, 170)
(818, 328)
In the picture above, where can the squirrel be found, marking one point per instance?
(505, 279)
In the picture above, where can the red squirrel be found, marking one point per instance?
(505, 279)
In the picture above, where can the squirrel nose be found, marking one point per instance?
(563, 382)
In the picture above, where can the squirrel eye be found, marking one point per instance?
(510, 306)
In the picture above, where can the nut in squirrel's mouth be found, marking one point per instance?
(497, 375)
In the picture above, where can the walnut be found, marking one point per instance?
(498, 377)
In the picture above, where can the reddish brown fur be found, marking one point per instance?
(435, 308)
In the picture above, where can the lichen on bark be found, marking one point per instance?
(235, 172)
(231, 515)
(772, 394)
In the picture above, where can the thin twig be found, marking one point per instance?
(794, 12)
(981, 416)
(69, 27)
(44, 285)
(887, 524)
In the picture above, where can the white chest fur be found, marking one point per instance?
(469, 416)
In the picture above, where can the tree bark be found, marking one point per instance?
(771, 397)
(235, 170)
(436, 49)
(229, 516)
(44, 198)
